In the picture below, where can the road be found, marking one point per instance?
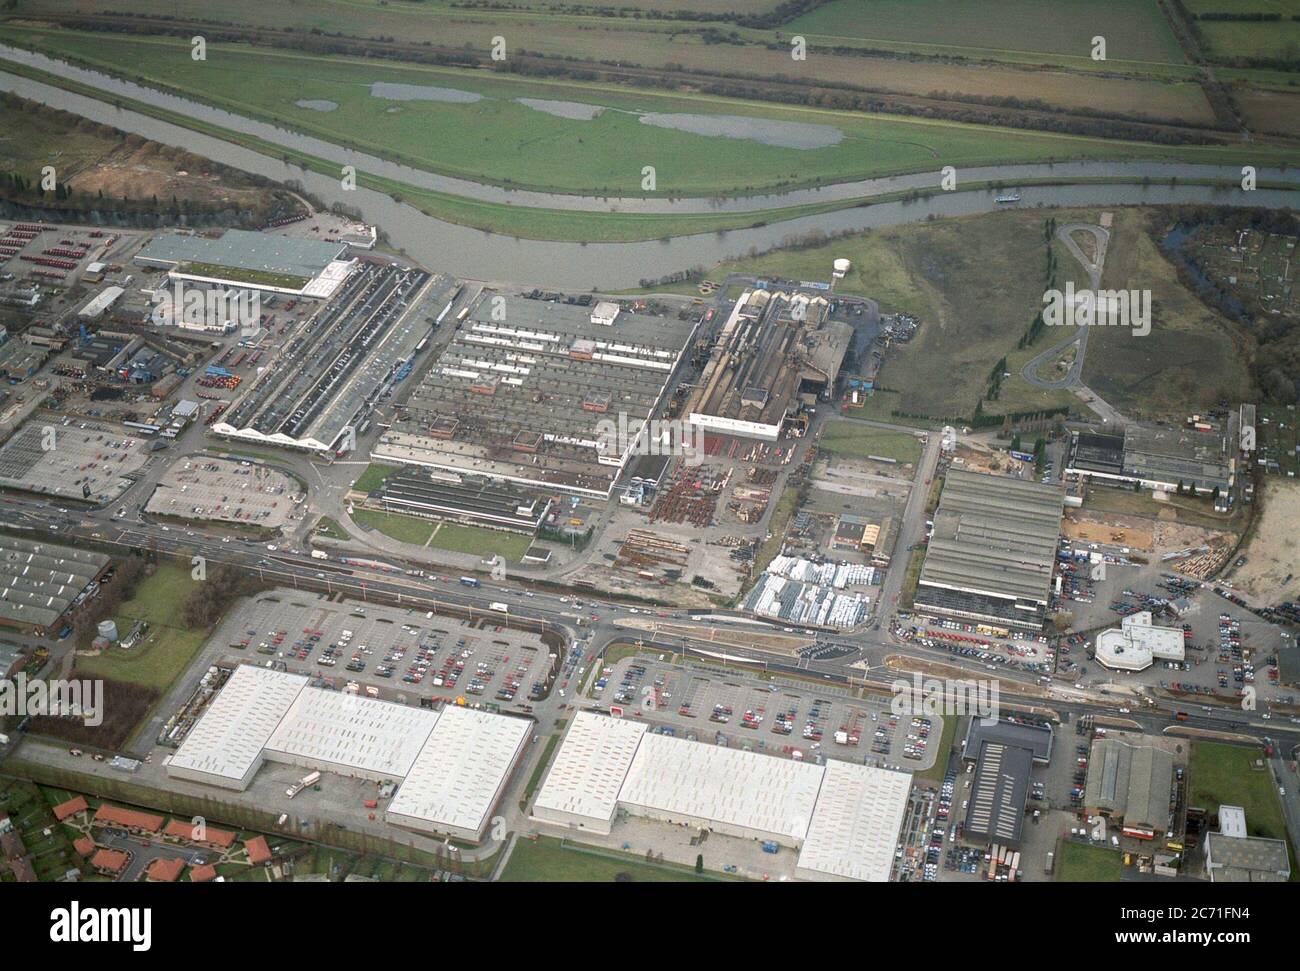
(1094, 268)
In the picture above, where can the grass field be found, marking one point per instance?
(856, 440)
(548, 860)
(1080, 863)
(1135, 30)
(1223, 774)
(1163, 372)
(480, 542)
(373, 477)
(404, 529)
(519, 146)
(170, 646)
(330, 528)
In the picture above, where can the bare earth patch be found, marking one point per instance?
(1272, 554)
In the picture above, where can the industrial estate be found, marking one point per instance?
(343, 538)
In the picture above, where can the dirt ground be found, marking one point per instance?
(1105, 532)
(1272, 553)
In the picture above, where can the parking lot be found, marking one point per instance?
(82, 460)
(230, 491)
(391, 653)
(781, 716)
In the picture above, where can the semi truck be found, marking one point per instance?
(319, 555)
(308, 780)
(499, 607)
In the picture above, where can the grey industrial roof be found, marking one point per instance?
(39, 581)
(1131, 782)
(523, 387)
(1247, 859)
(994, 535)
(1288, 665)
(998, 793)
(1171, 454)
(238, 248)
(1036, 738)
(771, 340)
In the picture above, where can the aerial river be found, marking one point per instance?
(479, 255)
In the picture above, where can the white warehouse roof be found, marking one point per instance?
(228, 740)
(732, 787)
(856, 822)
(590, 768)
(460, 771)
(452, 765)
(346, 730)
(846, 817)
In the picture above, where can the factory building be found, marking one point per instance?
(40, 582)
(472, 500)
(1131, 785)
(540, 394)
(992, 551)
(326, 381)
(777, 355)
(250, 261)
(1200, 457)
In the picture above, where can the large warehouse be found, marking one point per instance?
(1157, 457)
(843, 817)
(251, 261)
(524, 387)
(451, 766)
(40, 581)
(776, 352)
(992, 551)
(336, 366)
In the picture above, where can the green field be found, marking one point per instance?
(373, 477)
(404, 529)
(1135, 31)
(549, 860)
(1081, 863)
(1165, 371)
(1222, 774)
(481, 542)
(170, 645)
(519, 146)
(856, 440)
